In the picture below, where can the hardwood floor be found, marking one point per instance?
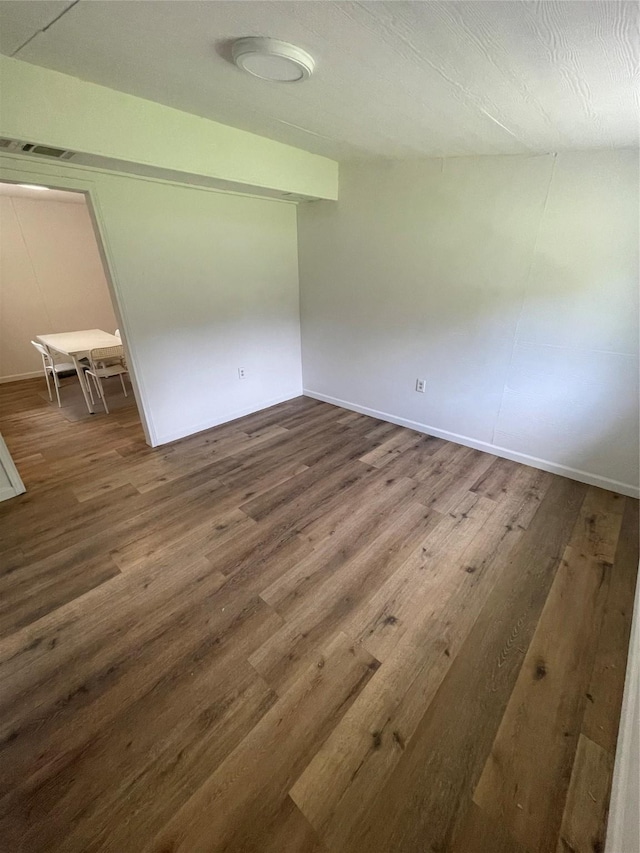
(306, 631)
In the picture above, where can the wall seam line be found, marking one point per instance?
(525, 292)
(32, 265)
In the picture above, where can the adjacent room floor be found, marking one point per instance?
(306, 631)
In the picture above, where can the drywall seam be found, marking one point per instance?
(487, 447)
(45, 28)
(534, 343)
(36, 277)
(525, 292)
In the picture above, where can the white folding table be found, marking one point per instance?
(78, 345)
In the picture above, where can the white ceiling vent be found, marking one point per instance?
(46, 151)
(18, 147)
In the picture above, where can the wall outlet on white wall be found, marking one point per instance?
(241, 373)
(421, 385)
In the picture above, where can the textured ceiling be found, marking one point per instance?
(393, 79)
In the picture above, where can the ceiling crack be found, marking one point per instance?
(44, 29)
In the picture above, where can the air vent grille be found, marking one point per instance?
(35, 148)
(47, 151)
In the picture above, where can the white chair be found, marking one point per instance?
(53, 367)
(103, 363)
(117, 333)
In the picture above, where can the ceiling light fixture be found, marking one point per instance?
(32, 187)
(271, 59)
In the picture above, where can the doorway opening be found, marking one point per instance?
(58, 326)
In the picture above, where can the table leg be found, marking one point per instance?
(83, 385)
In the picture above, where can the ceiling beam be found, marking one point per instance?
(49, 108)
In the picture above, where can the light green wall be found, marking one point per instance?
(43, 106)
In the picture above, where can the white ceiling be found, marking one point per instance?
(18, 191)
(393, 79)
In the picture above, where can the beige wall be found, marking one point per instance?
(51, 278)
(510, 284)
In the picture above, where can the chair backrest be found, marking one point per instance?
(100, 355)
(44, 352)
(117, 333)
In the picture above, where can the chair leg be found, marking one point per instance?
(46, 376)
(95, 385)
(101, 387)
(56, 383)
(122, 383)
(86, 379)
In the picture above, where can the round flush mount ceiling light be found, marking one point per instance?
(271, 59)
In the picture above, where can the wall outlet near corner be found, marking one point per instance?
(241, 373)
(421, 385)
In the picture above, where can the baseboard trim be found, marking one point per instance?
(231, 416)
(497, 450)
(18, 376)
(8, 492)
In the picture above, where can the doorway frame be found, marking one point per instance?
(68, 177)
(16, 486)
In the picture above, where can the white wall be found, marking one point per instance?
(204, 283)
(509, 283)
(209, 283)
(51, 278)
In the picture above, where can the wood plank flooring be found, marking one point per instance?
(306, 631)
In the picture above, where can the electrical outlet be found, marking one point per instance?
(241, 373)
(421, 385)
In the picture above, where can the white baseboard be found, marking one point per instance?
(16, 377)
(230, 416)
(623, 831)
(504, 452)
(8, 492)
